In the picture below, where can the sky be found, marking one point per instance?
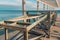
(17, 5)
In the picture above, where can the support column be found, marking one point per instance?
(23, 7)
(43, 6)
(6, 34)
(26, 34)
(37, 6)
(49, 25)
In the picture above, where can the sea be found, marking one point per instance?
(8, 14)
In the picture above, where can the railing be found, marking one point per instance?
(27, 26)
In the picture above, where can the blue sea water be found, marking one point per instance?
(4, 15)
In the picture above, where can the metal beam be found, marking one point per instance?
(49, 3)
(58, 3)
(23, 7)
(37, 5)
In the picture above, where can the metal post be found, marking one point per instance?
(47, 7)
(37, 6)
(6, 34)
(43, 6)
(23, 7)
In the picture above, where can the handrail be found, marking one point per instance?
(35, 23)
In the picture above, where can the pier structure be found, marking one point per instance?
(42, 21)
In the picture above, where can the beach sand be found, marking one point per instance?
(55, 32)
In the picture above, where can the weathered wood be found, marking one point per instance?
(14, 27)
(6, 34)
(35, 23)
(25, 34)
(23, 18)
(23, 23)
(9, 21)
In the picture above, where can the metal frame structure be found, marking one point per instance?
(25, 17)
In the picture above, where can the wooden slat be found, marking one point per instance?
(35, 23)
(9, 21)
(23, 23)
(14, 27)
(23, 18)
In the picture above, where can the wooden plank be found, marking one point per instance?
(9, 21)
(23, 23)
(21, 18)
(35, 23)
(14, 27)
(24, 18)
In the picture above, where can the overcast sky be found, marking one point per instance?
(17, 5)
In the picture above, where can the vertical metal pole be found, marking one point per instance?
(47, 7)
(26, 34)
(6, 34)
(23, 7)
(37, 6)
(43, 6)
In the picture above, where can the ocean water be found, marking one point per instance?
(4, 15)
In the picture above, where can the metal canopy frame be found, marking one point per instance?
(58, 3)
(51, 3)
